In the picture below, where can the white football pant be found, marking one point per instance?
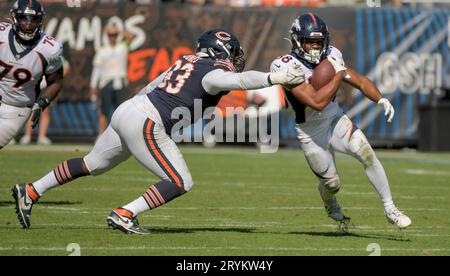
(136, 129)
(321, 138)
(12, 119)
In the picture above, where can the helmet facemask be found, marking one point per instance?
(27, 18)
(27, 26)
(238, 59)
(310, 38)
(311, 55)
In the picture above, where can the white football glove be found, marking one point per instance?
(292, 75)
(388, 109)
(338, 64)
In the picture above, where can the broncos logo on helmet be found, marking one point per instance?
(312, 29)
(28, 18)
(221, 44)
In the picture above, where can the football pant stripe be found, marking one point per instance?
(159, 156)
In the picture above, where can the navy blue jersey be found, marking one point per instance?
(182, 85)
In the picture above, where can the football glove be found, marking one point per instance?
(37, 109)
(388, 109)
(292, 75)
(338, 64)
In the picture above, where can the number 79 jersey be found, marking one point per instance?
(22, 69)
(304, 113)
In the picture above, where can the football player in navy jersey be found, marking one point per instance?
(26, 56)
(141, 127)
(323, 127)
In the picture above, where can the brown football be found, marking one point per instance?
(322, 74)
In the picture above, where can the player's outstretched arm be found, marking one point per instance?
(55, 83)
(368, 88)
(219, 80)
(319, 99)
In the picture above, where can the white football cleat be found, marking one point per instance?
(395, 216)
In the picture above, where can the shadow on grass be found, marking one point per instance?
(170, 230)
(45, 203)
(354, 235)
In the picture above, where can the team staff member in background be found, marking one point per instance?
(109, 79)
(45, 117)
(26, 56)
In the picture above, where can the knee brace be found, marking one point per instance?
(332, 185)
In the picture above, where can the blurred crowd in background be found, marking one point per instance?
(255, 3)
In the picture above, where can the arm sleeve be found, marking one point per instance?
(151, 86)
(219, 80)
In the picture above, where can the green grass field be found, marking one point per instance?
(243, 203)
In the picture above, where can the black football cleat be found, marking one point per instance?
(24, 204)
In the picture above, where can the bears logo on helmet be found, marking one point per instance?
(223, 45)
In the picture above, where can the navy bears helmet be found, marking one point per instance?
(223, 45)
(310, 27)
(28, 18)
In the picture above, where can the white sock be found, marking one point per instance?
(378, 178)
(45, 183)
(137, 207)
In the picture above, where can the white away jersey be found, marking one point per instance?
(305, 113)
(22, 70)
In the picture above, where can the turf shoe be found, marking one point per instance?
(24, 196)
(395, 216)
(124, 221)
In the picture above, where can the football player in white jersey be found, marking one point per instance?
(324, 129)
(26, 56)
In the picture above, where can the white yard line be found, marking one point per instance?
(427, 172)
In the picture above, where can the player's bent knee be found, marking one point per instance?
(363, 150)
(93, 166)
(316, 162)
(188, 183)
(332, 184)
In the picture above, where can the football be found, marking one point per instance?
(322, 74)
